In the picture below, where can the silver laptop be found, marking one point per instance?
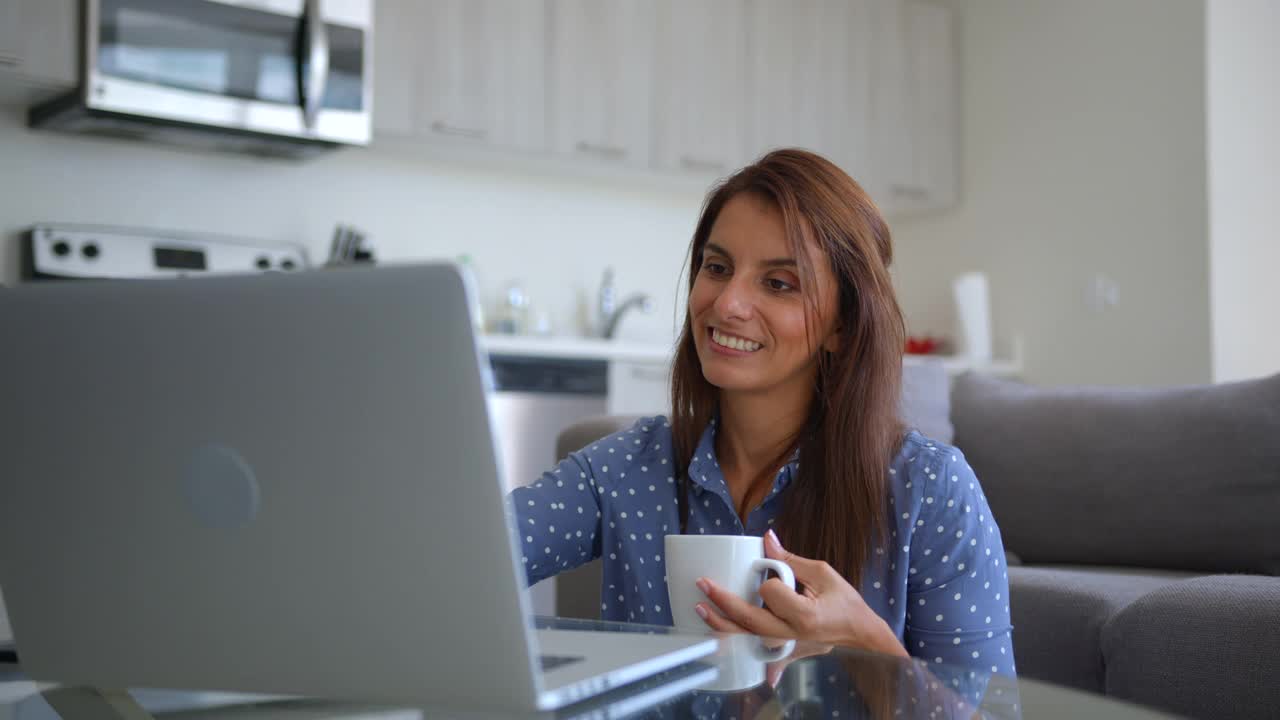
(282, 484)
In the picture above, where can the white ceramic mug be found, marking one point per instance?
(734, 562)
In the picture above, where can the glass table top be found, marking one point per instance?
(749, 678)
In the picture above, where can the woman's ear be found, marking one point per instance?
(832, 343)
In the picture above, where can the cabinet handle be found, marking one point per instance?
(446, 129)
(688, 162)
(609, 151)
(911, 191)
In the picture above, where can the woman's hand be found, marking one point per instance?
(829, 611)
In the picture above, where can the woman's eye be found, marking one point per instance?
(714, 268)
(780, 285)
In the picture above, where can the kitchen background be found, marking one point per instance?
(1110, 166)
(1115, 161)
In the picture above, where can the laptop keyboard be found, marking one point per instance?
(551, 662)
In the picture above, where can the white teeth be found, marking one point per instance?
(734, 342)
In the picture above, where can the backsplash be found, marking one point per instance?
(552, 233)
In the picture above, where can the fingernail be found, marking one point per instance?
(703, 585)
(774, 537)
(702, 612)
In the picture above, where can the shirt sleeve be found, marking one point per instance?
(958, 586)
(557, 519)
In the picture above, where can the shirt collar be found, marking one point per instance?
(705, 473)
(704, 467)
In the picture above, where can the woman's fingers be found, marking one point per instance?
(811, 573)
(781, 599)
(716, 621)
(755, 620)
(786, 603)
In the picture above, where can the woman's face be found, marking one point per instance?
(748, 309)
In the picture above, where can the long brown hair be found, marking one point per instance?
(834, 510)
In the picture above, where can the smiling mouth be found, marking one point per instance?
(733, 342)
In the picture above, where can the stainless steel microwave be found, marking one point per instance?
(269, 77)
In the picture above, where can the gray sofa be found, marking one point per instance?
(1146, 527)
(1142, 526)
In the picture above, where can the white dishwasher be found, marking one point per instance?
(534, 398)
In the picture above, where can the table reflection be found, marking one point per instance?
(747, 678)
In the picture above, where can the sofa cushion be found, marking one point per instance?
(1178, 478)
(577, 593)
(1058, 614)
(1208, 647)
(588, 430)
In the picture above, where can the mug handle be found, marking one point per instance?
(784, 570)
(787, 576)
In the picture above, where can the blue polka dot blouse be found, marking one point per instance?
(941, 584)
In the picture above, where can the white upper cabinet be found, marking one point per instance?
(10, 32)
(700, 85)
(50, 34)
(935, 101)
(484, 72)
(684, 88)
(601, 79)
(891, 148)
(397, 61)
(38, 41)
(38, 50)
(462, 72)
(915, 106)
(809, 79)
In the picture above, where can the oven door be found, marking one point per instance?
(301, 68)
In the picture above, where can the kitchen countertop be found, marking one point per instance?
(956, 364)
(578, 347)
(654, 352)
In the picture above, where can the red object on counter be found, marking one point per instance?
(922, 345)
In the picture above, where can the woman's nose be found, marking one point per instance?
(734, 300)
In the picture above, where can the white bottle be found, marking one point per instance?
(973, 310)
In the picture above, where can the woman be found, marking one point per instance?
(785, 392)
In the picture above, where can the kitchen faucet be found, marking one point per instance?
(609, 312)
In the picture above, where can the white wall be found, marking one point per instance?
(552, 231)
(1244, 185)
(1083, 151)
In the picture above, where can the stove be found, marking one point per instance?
(53, 251)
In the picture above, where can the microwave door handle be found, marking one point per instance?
(311, 83)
